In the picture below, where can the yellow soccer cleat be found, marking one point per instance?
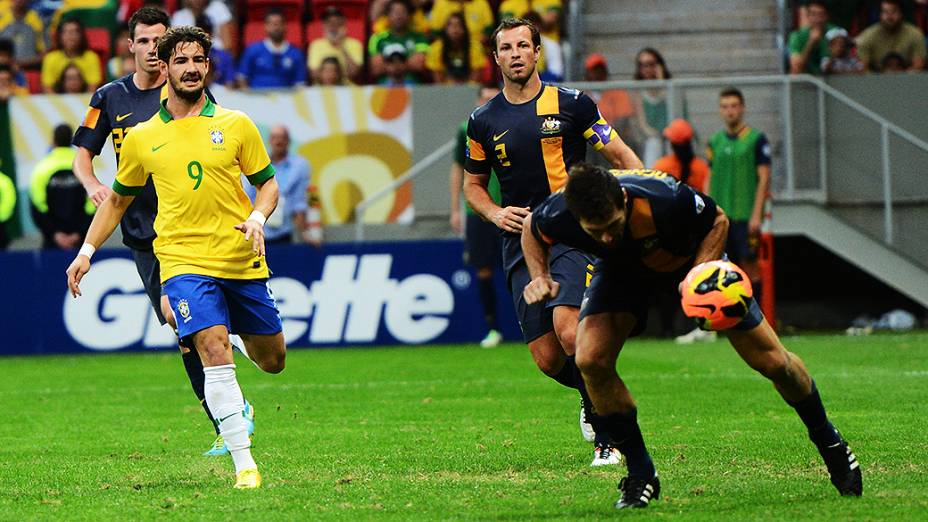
(248, 479)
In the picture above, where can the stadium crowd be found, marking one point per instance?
(74, 46)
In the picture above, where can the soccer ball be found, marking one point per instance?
(716, 294)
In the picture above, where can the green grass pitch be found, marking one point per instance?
(457, 432)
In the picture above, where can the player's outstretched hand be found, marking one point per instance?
(541, 288)
(253, 231)
(510, 218)
(79, 267)
(99, 194)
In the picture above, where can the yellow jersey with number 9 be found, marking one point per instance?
(196, 164)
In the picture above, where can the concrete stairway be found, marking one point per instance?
(697, 38)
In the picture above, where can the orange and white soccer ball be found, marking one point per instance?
(716, 294)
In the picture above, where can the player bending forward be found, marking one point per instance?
(215, 277)
(647, 229)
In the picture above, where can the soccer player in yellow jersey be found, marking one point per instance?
(210, 240)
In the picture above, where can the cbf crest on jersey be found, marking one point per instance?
(551, 125)
(183, 308)
(217, 138)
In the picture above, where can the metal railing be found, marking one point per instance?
(785, 84)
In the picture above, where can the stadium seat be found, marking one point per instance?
(256, 9)
(353, 9)
(254, 32)
(100, 40)
(34, 79)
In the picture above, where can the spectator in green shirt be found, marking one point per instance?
(398, 32)
(807, 46)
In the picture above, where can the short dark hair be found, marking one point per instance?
(897, 3)
(177, 35)
(732, 91)
(820, 3)
(593, 193)
(148, 16)
(512, 23)
(274, 11)
(404, 3)
(62, 134)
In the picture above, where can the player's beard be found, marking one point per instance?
(188, 95)
(522, 80)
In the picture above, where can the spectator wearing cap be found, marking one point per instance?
(217, 12)
(335, 43)
(808, 45)
(455, 57)
(682, 163)
(840, 59)
(272, 62)
(221, 62)
(415, 45)
(891, 34)
(71, 48)
(396, 67)
(25, 29)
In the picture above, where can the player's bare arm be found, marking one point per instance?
(478, 197)
(83, 169)
(713, 244)
(104, 223)
(542, 286)
(265, 202)
(760, 197)
(455, 186)
(620, 155)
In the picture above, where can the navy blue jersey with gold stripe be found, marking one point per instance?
(532, 145)
(665, 222)
(114, 109)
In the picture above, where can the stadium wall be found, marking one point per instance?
(360, 294)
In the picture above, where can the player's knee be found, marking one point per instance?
(772, 365)
(593, 363)
(273, 362)
(567, 335)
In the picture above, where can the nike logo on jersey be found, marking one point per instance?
(496, 137)
(155, 149)
(120, 117)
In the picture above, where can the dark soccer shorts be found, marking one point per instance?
(570, 268)
(482, 243)
(243, 306)
(150, 271)
(738, 246)
(617, 288)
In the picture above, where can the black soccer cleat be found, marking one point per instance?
(638, 492)
(844, 469)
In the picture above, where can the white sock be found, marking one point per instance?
(224, 398)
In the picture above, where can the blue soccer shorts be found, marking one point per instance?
(243, 306)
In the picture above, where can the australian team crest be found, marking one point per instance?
(551, 125)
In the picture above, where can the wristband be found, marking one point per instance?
(258, 216)
(87, 250)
